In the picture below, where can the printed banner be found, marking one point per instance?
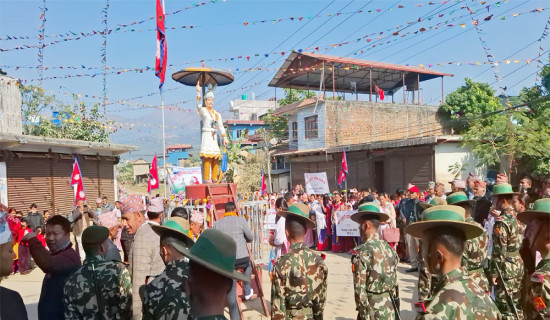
(316, 183)
(270, 216)
(181, 177)
(345, 227)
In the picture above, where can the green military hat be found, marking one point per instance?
(436, 201)
(445, 215)
(216, 251)
(541, 210)
(458, 198)
(503, 189)
(369, 210)
(301, 211)
(178, 228)
(95, 235)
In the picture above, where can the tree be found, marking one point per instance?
(295, 95)
(125, 172)
(77, 121)
(278, 126)
(236, 157)
(499, 134)
(472, 99)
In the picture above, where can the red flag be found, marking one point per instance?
(161, 56)
(379, 91)
(264, 187)
(153, 181)
(76, 178)
(344, 170)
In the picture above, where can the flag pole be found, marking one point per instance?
(163, 141)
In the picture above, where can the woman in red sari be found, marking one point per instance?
(339, 244)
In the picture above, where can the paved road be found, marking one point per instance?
(340, 304)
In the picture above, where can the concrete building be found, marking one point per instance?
(141, 170)
(245, 109)
(38, 170)
(176, 154)
(388, 145)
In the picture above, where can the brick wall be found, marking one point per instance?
(355, 122)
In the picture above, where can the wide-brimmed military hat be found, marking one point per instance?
(216, 251)
(94, 235)
(369, 210)
(444, 216)
(299, 210)
(500, 189)
(458, 198)
(178, 228)
(436, 201)
(541, 210)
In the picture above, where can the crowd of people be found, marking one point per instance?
(481, 250)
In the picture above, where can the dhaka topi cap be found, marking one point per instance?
(460, 184)
(480, 184)
(132, 203)
(157, 205)
(501, 178)
(94, 235)
(5, 232)
(108, 219)
(197, 216)
(431, 184)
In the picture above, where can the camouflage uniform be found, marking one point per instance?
(540, 291)
(109, 279)
(507, 238)
(426, 280)
(165, 296)
(457, 297)
(299, 285)
(218, 317)
(374, 266)
(474, 259)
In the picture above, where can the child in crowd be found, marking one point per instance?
(47, 216)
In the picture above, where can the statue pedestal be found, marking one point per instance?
(219, 193)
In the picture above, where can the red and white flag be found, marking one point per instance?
(344, 170)
(76, 179)
(161, 56)
(153, 181)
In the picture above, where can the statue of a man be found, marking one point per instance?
(212, 123)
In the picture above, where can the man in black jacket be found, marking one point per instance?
(35, 218)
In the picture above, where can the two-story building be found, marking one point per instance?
(388, 145)
(245, 130)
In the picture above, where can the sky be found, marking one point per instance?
(225, 33)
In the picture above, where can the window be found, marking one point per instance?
(238, 132)
(294, 131)
(311, 127)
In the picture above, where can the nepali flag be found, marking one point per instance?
(344, 170)
(161, 56)
(264, 187)
(153, 181)
(379, 92)
(76, 179)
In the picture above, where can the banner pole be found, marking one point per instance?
(163, 141)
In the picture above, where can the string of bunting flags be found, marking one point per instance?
(541, 49)
(78, 36)
(41, 45)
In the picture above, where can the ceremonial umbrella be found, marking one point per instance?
(215, 77)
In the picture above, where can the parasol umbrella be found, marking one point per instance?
(214, 77)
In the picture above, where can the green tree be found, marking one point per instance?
(501, 134)
(125, 172)
(278, 126)
(77, 120)
(236, 157)
(470, 100)
(295, 95)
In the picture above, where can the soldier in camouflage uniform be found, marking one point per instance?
(374, 266)
(211, 274)
(539, 238)
(165, 296)
(100, 289)
(456, 296)
(299, 282)
(474, 258)
(426, 280)
(507, 239)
